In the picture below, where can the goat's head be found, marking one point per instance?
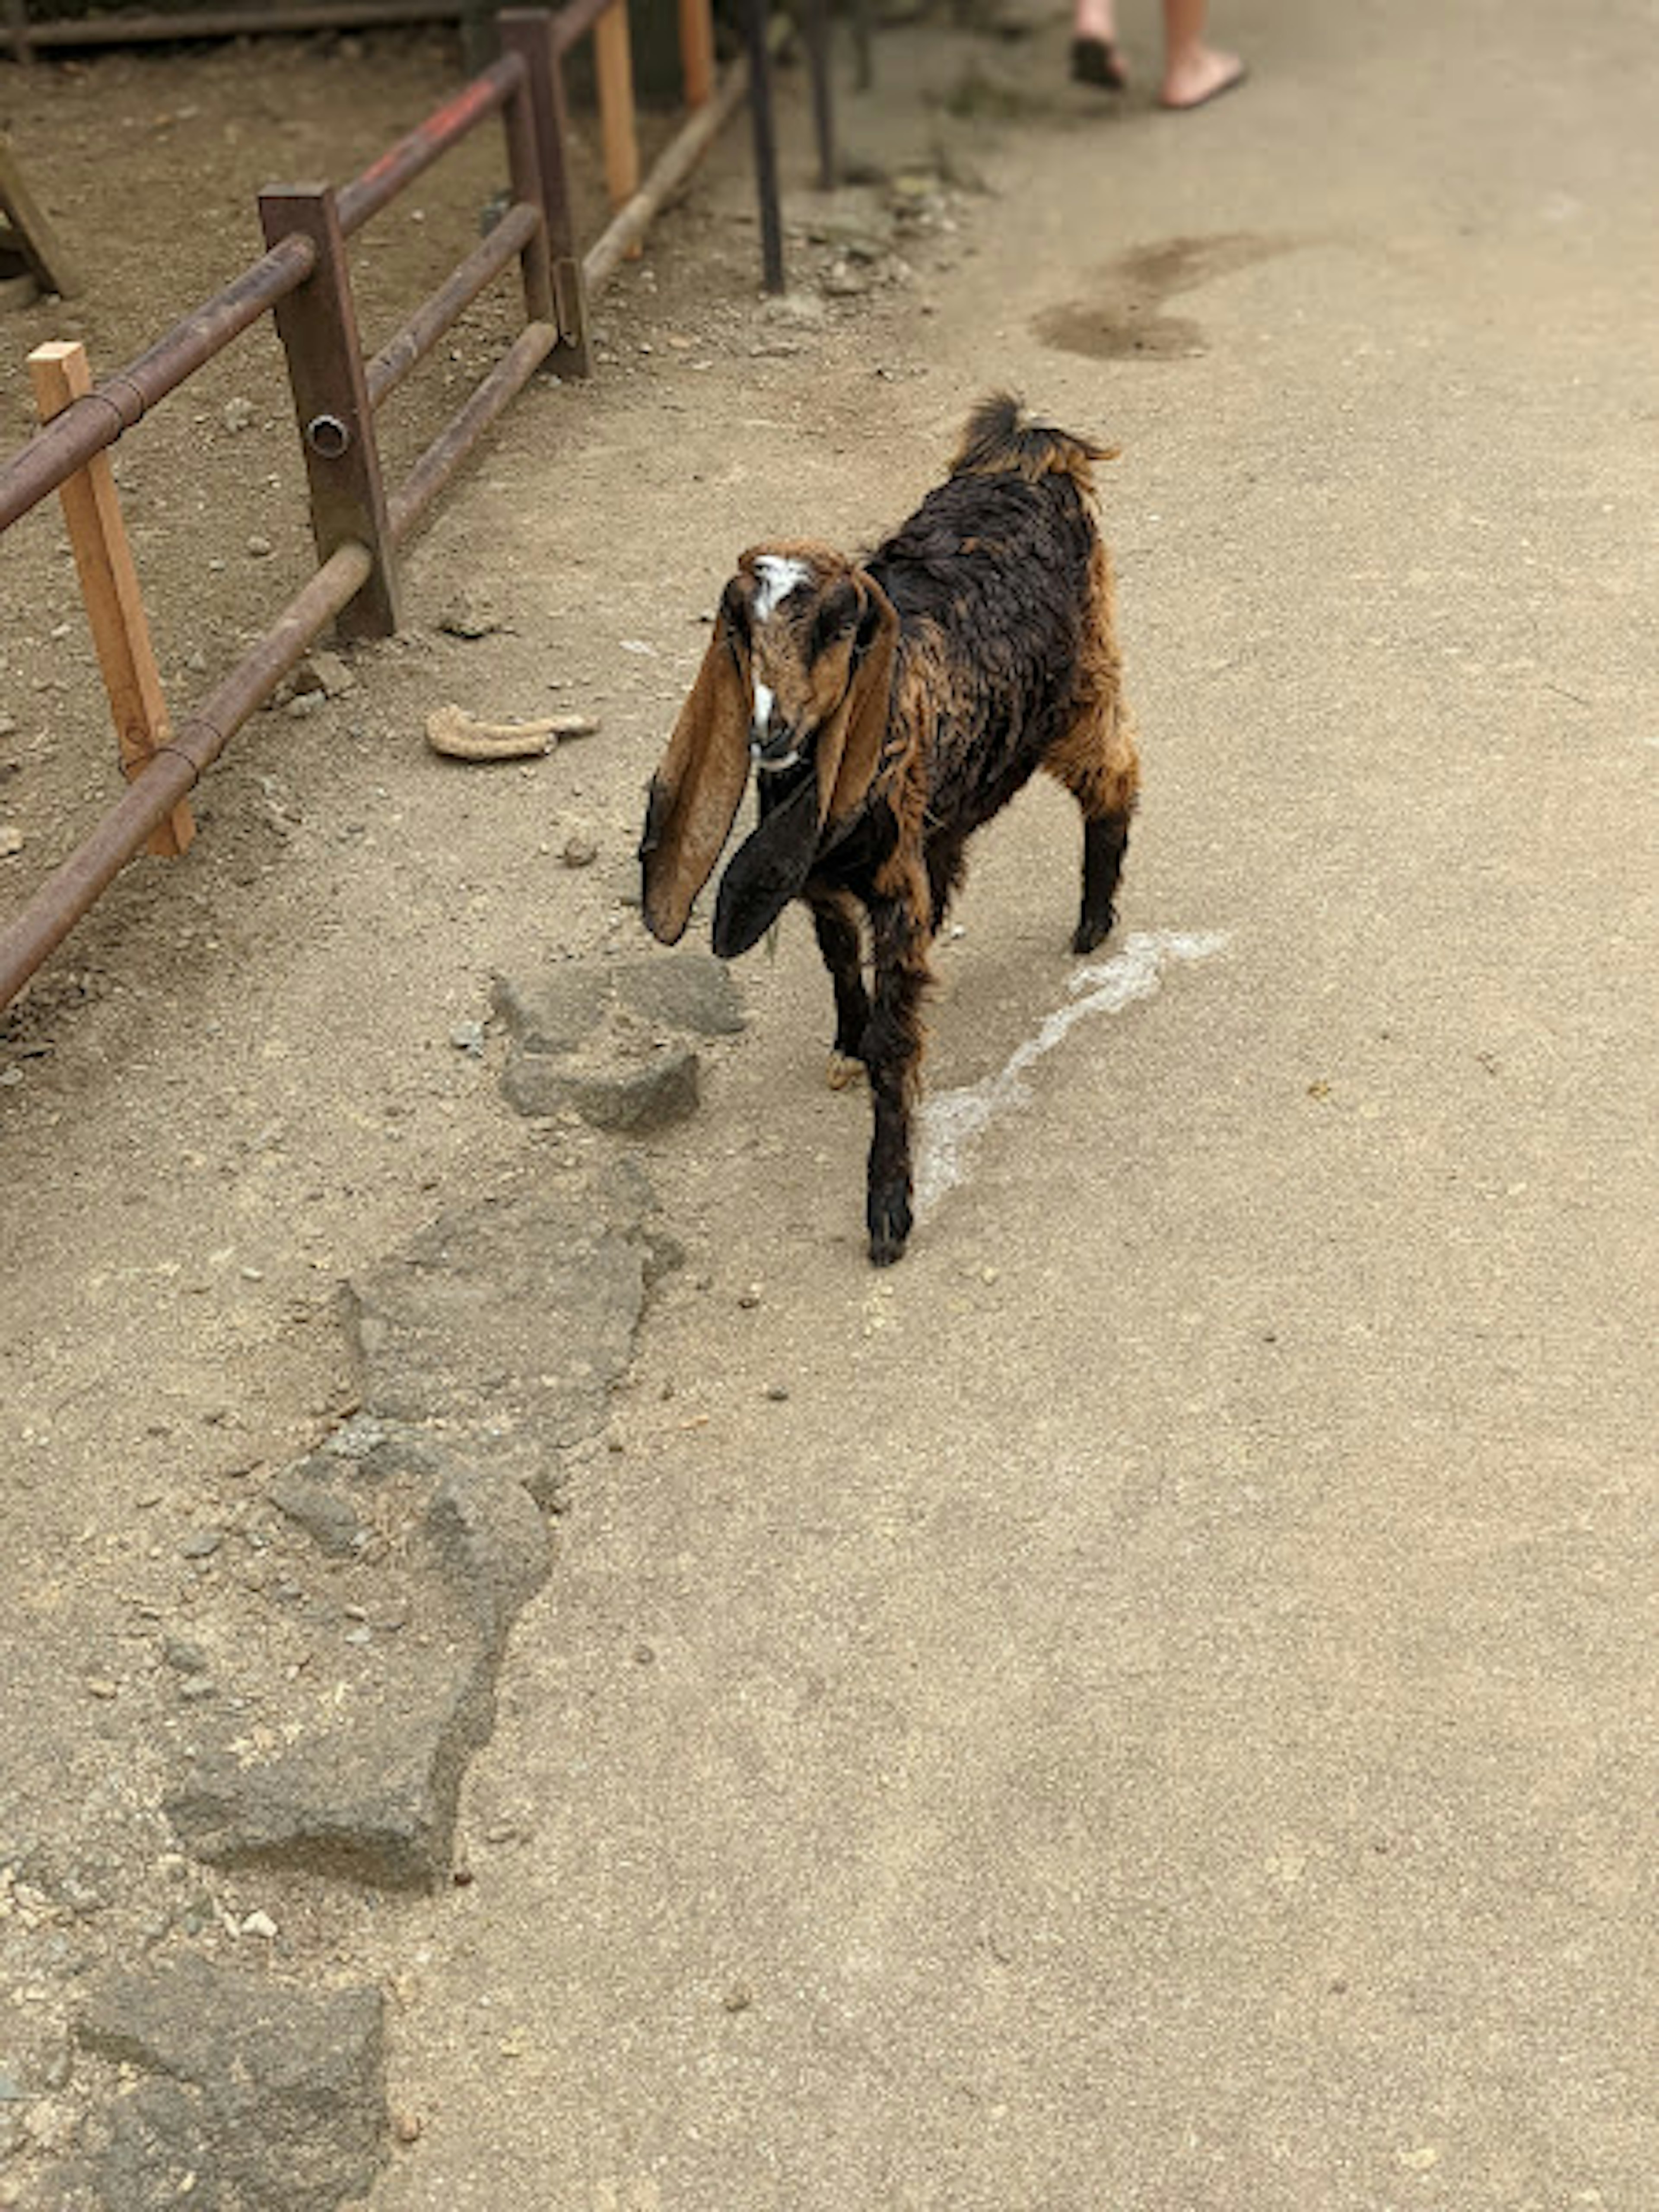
(794, 686)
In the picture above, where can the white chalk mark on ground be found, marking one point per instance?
(952, 1122)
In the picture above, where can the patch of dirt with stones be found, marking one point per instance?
(264, 1542)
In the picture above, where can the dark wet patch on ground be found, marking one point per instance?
(1124, 317)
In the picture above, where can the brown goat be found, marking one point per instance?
(889, 706)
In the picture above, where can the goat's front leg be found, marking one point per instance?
(836, 918)
(892, 1054)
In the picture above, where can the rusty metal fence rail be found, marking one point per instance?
(358, 523)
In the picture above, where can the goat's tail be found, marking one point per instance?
(999, 438)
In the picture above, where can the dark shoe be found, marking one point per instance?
(1095, 61)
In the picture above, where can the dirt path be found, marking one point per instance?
(1149, 1705)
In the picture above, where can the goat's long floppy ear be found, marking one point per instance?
(849, 747)
(767, 871)
(695, 791)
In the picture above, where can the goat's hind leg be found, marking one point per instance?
(1098, 764)
(836, 921)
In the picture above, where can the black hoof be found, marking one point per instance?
(891, 1222)
(1091, 932)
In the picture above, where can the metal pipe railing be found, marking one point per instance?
(536, 230)
(401, 164)
(73, 889)
(451, 447)
(450, 301)
(241, 22)
(71, 439)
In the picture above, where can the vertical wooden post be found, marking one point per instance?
(17, 25)
(613, 64)
(697, 51)
(317, 326)
(34, 236)
(529, 32)
(524, 168)
(109, 588)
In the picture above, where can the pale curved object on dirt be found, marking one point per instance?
(460, 736)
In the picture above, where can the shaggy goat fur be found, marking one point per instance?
(889, 707)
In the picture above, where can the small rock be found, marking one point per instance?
(260, 548)
(327, 1518)
(468, 1037)
(326, 672)
(580, 851)
(260, 1923)
(468, 618)
(237, 413)
(11, 840)
(184, 1656)
(738, 1997)
(202, 1544)
(777, 1393)
(406, 2127)
(8, 726)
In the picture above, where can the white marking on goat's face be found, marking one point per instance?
(778, 574)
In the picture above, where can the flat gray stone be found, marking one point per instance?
(688, 994)
(371, 1799)
(252, 2095)
(628, 1095)
(494, 1545)
(507, 1323)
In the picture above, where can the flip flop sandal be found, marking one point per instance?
(1096, 61)
(1218, 91)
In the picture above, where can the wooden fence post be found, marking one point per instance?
(30, 230)
(109, 588)
(697, 51)
(613, 64)
(529, 32)
(317, 326)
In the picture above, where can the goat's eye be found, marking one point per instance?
(836, 617)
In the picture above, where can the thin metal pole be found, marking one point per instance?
(766, 144)
(817, 27)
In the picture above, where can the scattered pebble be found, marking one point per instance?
(11, 840)
(237, 413)
(580, 852)
(777, 1393)
(468, 1037)
(259, 1923)
(202, 1543)
(260, 548)
(406, 2127)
